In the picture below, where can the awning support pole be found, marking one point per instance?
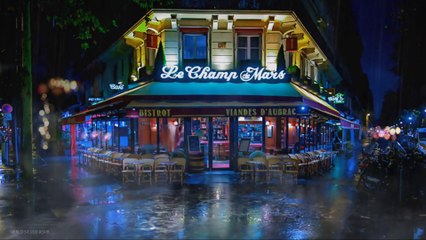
(158, 135)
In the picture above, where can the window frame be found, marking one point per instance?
(204, 34)
(248, 47)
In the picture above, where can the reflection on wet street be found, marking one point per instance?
(67, 201)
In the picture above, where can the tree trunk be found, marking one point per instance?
(27, 96)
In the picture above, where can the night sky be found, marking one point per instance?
(377, 37)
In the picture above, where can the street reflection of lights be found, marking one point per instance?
(217, 194)
(41, 113)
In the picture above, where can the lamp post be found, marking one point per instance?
(367, 117)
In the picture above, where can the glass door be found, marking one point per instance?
(200, 128)
(221, 150)
(213, 133)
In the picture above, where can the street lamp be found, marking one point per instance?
(367, 117)
(366, 126)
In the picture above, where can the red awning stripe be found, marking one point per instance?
(322, 108)
(346, 124)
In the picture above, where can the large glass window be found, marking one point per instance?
(195, 47)
(251, 128)
(248, 48)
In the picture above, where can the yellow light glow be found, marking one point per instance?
(392, 131)
(41, 113)
(398, 130)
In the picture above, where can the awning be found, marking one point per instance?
(216, 91)
(316, 102)
(75, 119)
(346, 124)
(208, 97)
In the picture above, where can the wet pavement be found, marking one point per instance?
(66, 201)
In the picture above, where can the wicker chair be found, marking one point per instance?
(160, 168)
(129, 169)
(274, 166)
(145, 168)
(244, 168)
(290, 166)
(177, 169)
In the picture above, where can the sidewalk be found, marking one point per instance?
(66, 201)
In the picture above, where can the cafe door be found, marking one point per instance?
(213, 133)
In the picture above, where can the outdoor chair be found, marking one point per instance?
(161, 155)
(260, 165)
(290, 166)
(177, 169)
(244, 168)
(274, 166)
(129, 170)
(145, 168)
(160, 168)
(114, 163)
(147, 155)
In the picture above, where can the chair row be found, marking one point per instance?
(148, 168)
(304, 164)
(133, 167)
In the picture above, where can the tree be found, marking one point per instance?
(280, 59)
(27, 96)
(159, 61)
(58, 45)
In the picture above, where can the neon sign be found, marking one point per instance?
(339, 98)
(113, 86)
(94, 100)
(206, 73)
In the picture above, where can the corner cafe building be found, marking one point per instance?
(219, 84)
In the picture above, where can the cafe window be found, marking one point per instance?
(194, 48)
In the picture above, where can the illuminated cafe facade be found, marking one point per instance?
(215, 74)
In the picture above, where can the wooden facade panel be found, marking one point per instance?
(222, 37)
(222, 59)
(222, 52)
(222, 66)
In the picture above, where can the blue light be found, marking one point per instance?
(303, 108)
(410, 118)
(425, 110)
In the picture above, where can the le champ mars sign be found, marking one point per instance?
(206, 73)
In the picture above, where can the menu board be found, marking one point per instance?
(194, 144)
(244, 145)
